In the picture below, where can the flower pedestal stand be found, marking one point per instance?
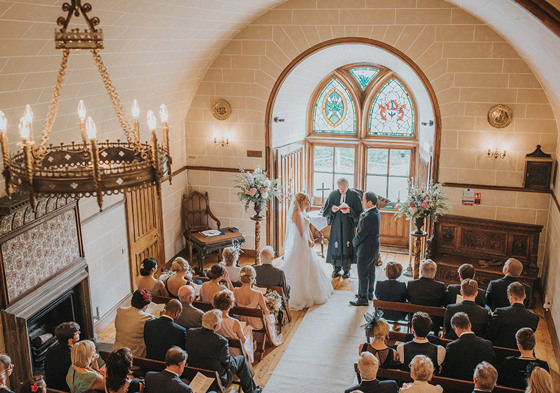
(257, 218)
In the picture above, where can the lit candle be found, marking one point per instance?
(24, 130)
(163, 115)
(29, 118)
(152, 122)
(3, 122)
(82, 114)
(4, 139)
(91, 129)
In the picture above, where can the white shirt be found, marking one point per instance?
(342, 198)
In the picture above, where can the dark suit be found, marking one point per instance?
(375, 386)
(496, 293)
(427, 292)
(272, 276)
(391, 291)
(160, 335)
(479, 317)
(207, 349)
(463, 355)
(455, 289)
(165, 381)
(366, 243)
(57, 363)
(507, 321)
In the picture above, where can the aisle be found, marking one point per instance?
(321, 354)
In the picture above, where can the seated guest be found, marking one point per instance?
(506, 321)
(246, 296)
(466, 270)
(129, 324)
(515, 370)
(169, 380)
(57, 359)
(180, 267)
(231, 327)
(163, 333)
(6, 368)
(148, 268)
(35, 384)
(191, 317)
(368, 366)
(421, 371)
(496, 293)
(119, 364)
(207, 349)
(463, 354)
(540, 381)
(269, 275)
(479, 316)
(392, 290)
(231, 255)
(426, 291)
(420, 345)
(210, 288)
(485, 377)
(378, 328)
(83, 374)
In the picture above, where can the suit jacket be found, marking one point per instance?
(165, 381)
(507, 321)
(129, 326)
(463, 355)
(391, 291)
(426, 292)
(496, 293)
(191, 317)
(207, 349)
(160, 335)
(375, 386)
(57, 363)
(366, 240)
(271, 275)
(479, 317)
(455, 289)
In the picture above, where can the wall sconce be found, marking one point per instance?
(221, 141)
(496, 153)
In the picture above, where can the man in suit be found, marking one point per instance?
(466, 270)
(269, 275)
(496, 293)
(485, 377)
(464, 354)
(506, 321)
(368, 366)
(57, 359)
(169, 380)
(426, 291)
(479, 316)
(207, 349)
(366, 243)
(191, 317)
(163, 333)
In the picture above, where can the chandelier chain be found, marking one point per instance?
(53, 108)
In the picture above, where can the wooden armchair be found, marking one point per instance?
(197, 216)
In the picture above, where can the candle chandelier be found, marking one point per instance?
(88, 168)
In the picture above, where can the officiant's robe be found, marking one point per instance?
(340, 252)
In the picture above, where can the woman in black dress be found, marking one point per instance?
(6, 368)
(392, 290)
(378, 328)
(118, 365)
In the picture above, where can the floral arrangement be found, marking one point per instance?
(422, 203)
(255, 187)
(273, 301)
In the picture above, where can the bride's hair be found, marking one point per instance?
(300, 198)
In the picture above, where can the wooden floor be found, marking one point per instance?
(264, 368)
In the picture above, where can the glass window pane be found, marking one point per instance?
(363, 75)
(318, 180)
(334, 110)
(392, 112)
(398, 188)
(377, 184)
(344, 160)
(323, 158)
(377, 161)
(399, 164)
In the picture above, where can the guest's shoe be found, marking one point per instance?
(358, 303)
(258, 389)
(346, 275)
(369, 297)
(335, 273)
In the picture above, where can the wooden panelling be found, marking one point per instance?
(393, 232)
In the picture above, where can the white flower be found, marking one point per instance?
(413, 210)
(267, 182)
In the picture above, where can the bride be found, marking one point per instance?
(309, 282)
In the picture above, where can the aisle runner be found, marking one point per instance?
(322, 353)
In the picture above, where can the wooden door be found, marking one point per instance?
(144, 223)
(393, 233)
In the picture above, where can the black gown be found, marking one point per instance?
(340, 252)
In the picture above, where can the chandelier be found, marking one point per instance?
(88, 168)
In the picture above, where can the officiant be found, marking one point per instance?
(342, 211)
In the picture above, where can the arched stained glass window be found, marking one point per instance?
(363, 75)
(392, 111)
(334, 110)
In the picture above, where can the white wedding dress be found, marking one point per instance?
(309, 282)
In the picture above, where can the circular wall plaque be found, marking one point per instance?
(500, 116)
(221, 109)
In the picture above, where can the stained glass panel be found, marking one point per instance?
(392, 112)
(363, 75)
(334, 110)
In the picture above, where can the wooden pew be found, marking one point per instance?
(50, 390)
(408, 308)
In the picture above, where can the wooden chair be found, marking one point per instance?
(197, 216)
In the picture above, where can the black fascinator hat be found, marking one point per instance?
(371, 321)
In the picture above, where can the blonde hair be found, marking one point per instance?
(421, 368)
(230, 255)
(381, 329)
(82, 353)
(540, 381)
(248, 275)
(179, 265)
(368, 365)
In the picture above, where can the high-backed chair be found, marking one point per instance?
(197, 216)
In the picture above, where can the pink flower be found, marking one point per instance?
(424, 205)
(261, 190)
(252, 191)
(411, 204)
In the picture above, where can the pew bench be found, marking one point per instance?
(408, 308)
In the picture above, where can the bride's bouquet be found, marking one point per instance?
(273, 301)
(255, 187)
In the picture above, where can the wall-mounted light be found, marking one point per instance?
(221, 141)
(496, 153)
(428, 123)
(278, 119)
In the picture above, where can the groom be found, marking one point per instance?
(366, 243)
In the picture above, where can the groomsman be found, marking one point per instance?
(366, 243)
